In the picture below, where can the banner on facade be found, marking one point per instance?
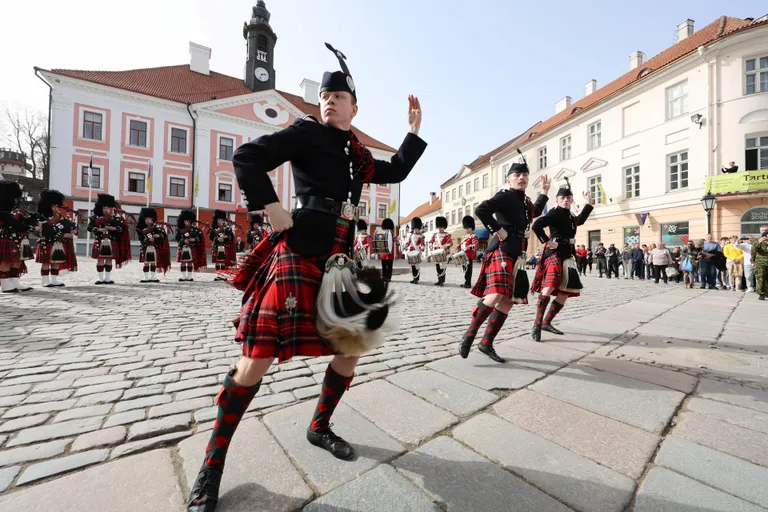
(748, 181)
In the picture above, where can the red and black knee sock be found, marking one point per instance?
(54, 271)
(99, 268)
(145, 269)
(233, 400)
(334, 386)
(13, 273)
(4, 275)
(495, 323)
(554, 309)
(44, 271)
(542, 307)
(107, 268)
(479, 315)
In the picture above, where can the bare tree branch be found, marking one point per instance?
(25, 130)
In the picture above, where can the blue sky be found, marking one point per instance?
(484, 70)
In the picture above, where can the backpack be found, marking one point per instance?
(687, 266)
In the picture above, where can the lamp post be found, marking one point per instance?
(708, 202)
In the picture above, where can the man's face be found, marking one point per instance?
(56, 209)
(417, 231)
(764, 231)
(468, 231)
(337, 108)
(187, 223)
(220, 222)
(518, 180)
(108, 211)
(149, 221)
(732, 164)
(565, 201)
(710, 238)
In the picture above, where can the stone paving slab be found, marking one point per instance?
(55, 430)
(63, 465)
(515, 355)
(458, 397)
(576, 480)
(741, 416)
(547, 350)
(380, 490)
(734, 394)
(464, 481)
(623, 448)
(479, 370)
(7, 475)
(719, 470)
(637, 403)
(258, 475)
(321, 469)
(669, 379)
(666, 491)
(724, 437)
(111, 487)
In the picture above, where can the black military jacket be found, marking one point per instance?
(514, 212)
(562, 225)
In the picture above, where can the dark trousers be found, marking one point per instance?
(386, 269)
(589, 264)
(581, 265)
(708, 271)
(602, 267)
(441, 272)
(637, 268)
(415, 271)
(659, 271)
(468, 273)
(613, 268)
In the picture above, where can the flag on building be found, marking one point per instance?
(603, 196)
(197, 184)
(149, 178)
(392, 207)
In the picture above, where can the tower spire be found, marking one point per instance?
(261, 40)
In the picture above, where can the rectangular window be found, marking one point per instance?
(178, 141)
(468, 210)
(632, 181)
(136, 182)
(565, 148)
(92, 126)
(382, 213)
(594, 190)
(678, 170)
(594, 135)
(453, 195)
(677, 100)
(95, 177)
(469, 188)
(225, 193)
(226, 148)
(453, 217)
(461, 191)
(542, 158)
(756, 154)
(138, 133)
(177, 187)
(362, 209)
(485, 180)
(675, 234)
(477, 184)
(756, 75)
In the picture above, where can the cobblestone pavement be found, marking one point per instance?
(655, 399)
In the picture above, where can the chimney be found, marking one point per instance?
(636, 60)
(684, 30)
(563, 104)
(199, 58)
(309, 92)
(432, 197)
(590, 87)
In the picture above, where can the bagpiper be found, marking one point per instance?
(191, 245)
(388, 259)
(257, 233)
(112, 241)
(155, 250)
(55, 248)
(363, 242)
(439, 245)
(291, 307)
(223, 253)
(14, 245)
(415, 246)
(503, 280)
(469, 245)
(556, 272)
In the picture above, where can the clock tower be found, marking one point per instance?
(259, 66)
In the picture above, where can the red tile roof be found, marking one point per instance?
(180, 84)
(423, 210)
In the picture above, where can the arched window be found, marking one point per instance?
(753, 219)
(262, 42)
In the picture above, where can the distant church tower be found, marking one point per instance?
(260, 64)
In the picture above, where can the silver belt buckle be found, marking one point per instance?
(349, 211)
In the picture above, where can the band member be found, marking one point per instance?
(416, 244)
(502, 281)
(55, 248)
(363, 242)
(191, 245)
(556, 273)
(257, 233)
(155, 249)
(469, 244)
(222, 236)
(439, 245)
(12, 224)
(388, 259)
(110, 235)
(283, 279)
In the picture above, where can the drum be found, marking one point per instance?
(361, 255)
(105, 248)
(150, 255)
(58, 255)
(26, 250)
(186, 254)
(413, 257)
(438, 256)
(460, 259)
(382, 242)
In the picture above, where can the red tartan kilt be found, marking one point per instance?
(9, 251)
(43, 255)
(493, 277)
(228, 260)
(549, 274)
(268, 325)
(95, 250)
(43, 252)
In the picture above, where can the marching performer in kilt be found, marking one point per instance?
(388, 259)
(55, 248)
(294, 275)
(257, 233)
(415, 245)
(503, 281)
(556, 273)
(363, 242)
(439, 245)
(110, 235)
(222, 237)
(191, 245)
(155, 251)
(13, 225)
(469, 244)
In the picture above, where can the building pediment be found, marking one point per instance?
(266, 107)
(465, 171)
(592, 164)
(564, 173)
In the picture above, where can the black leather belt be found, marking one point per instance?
(326, 205)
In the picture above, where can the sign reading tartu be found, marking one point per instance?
(748, 181)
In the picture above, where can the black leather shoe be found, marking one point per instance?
(491, 352)
(553, 330)
(16, 290)
(761, 297)
(465, 345)
(327, 440)
(536, 332)
(205, 493)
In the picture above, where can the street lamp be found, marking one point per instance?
(708, 202)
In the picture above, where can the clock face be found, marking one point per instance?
(261, 74)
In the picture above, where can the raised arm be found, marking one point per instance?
(402, 162)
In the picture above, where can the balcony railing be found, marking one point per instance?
(738, 182)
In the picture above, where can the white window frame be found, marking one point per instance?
(671, 100)
(487, 181)
(476, 184)
(756, 72)
(171, 127)
(362, 207)
(565, 148)
(542, 152)
(678, 163)
(453, 194)
(126, 184)
(84, 167)
(379, 207)
(468, 188)
(453, 217)
(220, 136)
(147, 120)
(81, 125)
(168, 186)
(225, 178)
(759, 148)
(598, 134)
(594, 190)
(635, 169)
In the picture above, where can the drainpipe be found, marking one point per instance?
(711, 131)
(47, 173)
(194, 155)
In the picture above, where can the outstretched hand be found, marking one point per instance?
(545, 184)
(588, 198)
(414, 114)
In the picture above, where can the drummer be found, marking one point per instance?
(469, 244)
(362, 243)
(414, 247)
(440, 243)
(388, 255)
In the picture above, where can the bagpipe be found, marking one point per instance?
(126, 215)
(204, 224)
(168, 227)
